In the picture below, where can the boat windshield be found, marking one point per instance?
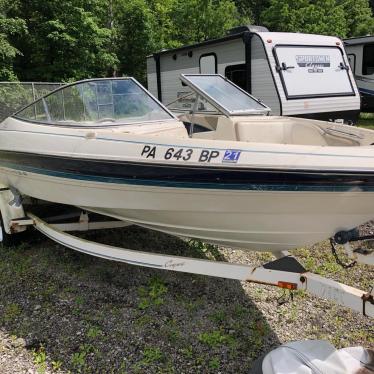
(224, 95)
(96, 102)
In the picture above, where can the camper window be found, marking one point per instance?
(208, 64)
(368, 60)
(312, 71)
(237, 74)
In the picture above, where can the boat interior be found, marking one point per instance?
(217, 109)
(211, 107)
(275, 129)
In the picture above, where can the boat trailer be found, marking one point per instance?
(284, 272)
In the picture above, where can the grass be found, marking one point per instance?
(366, 120)
(152, 295)
(214, 338)
(12, 311)
(87, 315)
(40, 360)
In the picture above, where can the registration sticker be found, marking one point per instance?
(231, 155)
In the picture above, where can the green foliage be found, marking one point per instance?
(153, 294)
(93, 332)
(69, 40)
(359, 17)
(40, 359)
(331, 17)
(12, 311)
(197, 20)
(214, 363)
(215, 338)
(56, 365)
(75, 39)
(151, 354)
(219, 316)
(133, 37)
(316, 17)
(78, 359)
(252, 8)
(66, 40)
(9, 27)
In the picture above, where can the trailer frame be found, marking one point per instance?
(284, 272)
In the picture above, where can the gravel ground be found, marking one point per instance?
(64, 312)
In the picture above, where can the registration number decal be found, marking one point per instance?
(231, 155)
(180, 154)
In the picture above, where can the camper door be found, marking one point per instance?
(312, 71)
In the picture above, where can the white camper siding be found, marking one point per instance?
(266, 82)
(170, 72)
(356, 51)
(308, 105)
(262, 81)
(227, 53)
(151, 76)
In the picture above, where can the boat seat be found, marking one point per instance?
(280, 131)
(257, 132)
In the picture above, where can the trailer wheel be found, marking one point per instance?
(7, 240)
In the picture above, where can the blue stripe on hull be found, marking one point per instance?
(202, 185)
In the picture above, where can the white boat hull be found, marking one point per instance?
(268, 197)
(254, 220)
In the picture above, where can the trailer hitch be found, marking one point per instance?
(353, 235)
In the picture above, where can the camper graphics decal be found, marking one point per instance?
(315, 63)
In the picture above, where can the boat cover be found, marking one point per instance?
(316, 357)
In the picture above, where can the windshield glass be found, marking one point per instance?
(95, 102)
(186, 101)
(220, 91)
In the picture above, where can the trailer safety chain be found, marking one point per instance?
(337, 259)
(283, 299)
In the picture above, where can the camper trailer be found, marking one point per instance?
(360, 52)
(294, 74)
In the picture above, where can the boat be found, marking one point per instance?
(216, 167)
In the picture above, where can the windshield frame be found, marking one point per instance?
(220, 107)
(92, 124)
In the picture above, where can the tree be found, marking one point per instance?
(178, 22)
(197, 20)
(76, 39)
(252, 8)
(133, 36)
(331, 17)
(66, 40)
(145, 26)
(359, 17)
(9, 27)
(318, 17)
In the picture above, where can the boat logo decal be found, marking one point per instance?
(231, 155)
